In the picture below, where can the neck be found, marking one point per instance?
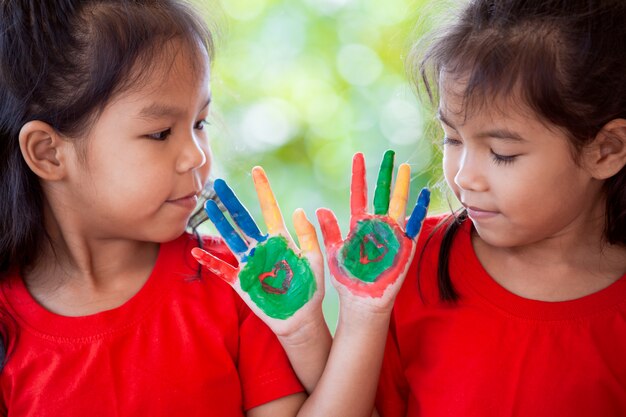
(574, 263)
(78, 274)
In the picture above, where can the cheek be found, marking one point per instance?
(450, 168)
(205, 170)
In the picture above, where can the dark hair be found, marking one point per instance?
(61, 62)
(567, 58)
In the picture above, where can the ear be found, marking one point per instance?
(43, 150)
(606, 155)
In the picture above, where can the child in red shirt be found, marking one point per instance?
(516, 304)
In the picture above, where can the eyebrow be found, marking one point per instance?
(158, 110)
(504, 134)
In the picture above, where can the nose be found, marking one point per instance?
(193, 154)
(469, 175)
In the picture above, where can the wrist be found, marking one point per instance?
(363, 317)
(313, 329)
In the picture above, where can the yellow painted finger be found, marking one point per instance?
(397, 205)
(307, 236)
(269, 206)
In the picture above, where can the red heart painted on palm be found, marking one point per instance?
(371, 238)
(279, 266)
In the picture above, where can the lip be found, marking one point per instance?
(476, 213)
(188, 201)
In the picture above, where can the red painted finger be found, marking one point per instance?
(358, 189)
(219, 267)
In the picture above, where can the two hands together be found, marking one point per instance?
(283, 283)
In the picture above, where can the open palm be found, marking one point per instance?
(281, 283)
(377, 252)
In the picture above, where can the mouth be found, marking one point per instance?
(477, 213)
(188, 201)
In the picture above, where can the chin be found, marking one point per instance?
(499, 238)
(166, 235)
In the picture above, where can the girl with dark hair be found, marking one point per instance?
(104, 311)
(516, 304)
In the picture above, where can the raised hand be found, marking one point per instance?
(274, 277)
(379, 247)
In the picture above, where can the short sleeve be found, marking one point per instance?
(391, 398)
(264, 368)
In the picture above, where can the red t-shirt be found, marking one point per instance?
(497, 354)
(184, 345)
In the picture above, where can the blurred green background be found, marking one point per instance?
(299, 86)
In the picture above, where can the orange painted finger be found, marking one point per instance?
(400, 196)
(219, 267)
(269, 206)
(307, 236)
(358, 189)
(329, 227)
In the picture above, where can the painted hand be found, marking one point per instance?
(379, 248)
(277, 280)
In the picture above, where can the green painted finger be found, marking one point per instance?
(383, 185)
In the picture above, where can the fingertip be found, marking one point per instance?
(301, 222)
(323, 213)
(258, 173)
(404, 169)
(215, 265)
(307, 236)
(424, 197)
(299, 212)
(219, 184)
(201, 256)
(212, 209)
(299, 216)
(197, 253)
(328, 226)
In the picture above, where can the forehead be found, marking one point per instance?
(461, 102)
(175, 63)
(490, 115)
(177, 86)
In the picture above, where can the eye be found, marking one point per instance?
(162, 135)
(503, 159)
(200, 125)
(450, 141)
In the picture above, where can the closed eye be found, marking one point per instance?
(162, 135)
(450, 141)
(503, 159)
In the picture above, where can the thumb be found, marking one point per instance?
(307, 237)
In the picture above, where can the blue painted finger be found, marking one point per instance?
(414, 224)
(237, 211)
(233, 240)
